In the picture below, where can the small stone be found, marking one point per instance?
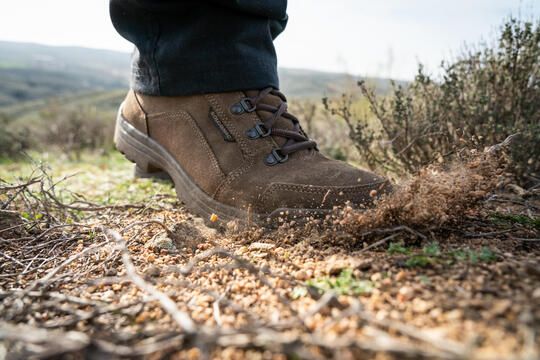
(152, 271)
(261, 246)
(193, 354)
(301, 275)
(420, 306)
(501, 306)
(405, 293)
(142, 317)
(435, 313)
(455, 314)
(110, 272)
(336, 264)
(107, 295)
(162, 242)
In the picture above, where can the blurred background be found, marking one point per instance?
(53, 51)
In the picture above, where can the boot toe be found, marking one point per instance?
(339, 185)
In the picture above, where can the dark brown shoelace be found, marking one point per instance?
(296, 137)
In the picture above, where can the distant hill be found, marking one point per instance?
(30, 72)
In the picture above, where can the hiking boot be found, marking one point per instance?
(238, 155)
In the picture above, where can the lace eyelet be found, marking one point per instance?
(274, 158)
(244, 105)
(246, 102)
(257, 131)
(237, 109)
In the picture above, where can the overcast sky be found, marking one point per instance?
(364, 37)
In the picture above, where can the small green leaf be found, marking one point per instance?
(398, 248)
(432, 249)
(487, 255)
(418, 261)
(459, 254)
(344, 284)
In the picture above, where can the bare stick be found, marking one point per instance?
(169, 306)
(375, 244)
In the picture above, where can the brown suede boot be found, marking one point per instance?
(239, 155)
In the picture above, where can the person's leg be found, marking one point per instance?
(200, 46)
(206, 111)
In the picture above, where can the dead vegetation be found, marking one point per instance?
(445, 268)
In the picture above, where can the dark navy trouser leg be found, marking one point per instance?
(187, 47)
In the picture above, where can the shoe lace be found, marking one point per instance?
(297, 139)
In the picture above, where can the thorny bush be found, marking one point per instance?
(484, 95)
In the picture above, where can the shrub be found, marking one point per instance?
(76, 129)
(483, 96)
(13, 141)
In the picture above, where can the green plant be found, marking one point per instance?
(516, 219)
(398, 248)
(487, 255)
(345, 284)
(459, 254)
(432, 249)
(483, 96)
(418, 260)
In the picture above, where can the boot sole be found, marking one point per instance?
(153, 160)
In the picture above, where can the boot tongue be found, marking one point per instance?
(281, 122)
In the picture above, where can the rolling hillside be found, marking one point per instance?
(33, 72)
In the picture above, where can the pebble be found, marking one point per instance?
(162, 242)
(401, 275)
(152, 271)
(261, 246)
(455, 314)
(435, 313)
(420, 306)
(405, 293)
(107, 295)
(501, 306)
(300, 275)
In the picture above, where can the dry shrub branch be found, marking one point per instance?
(485, 94)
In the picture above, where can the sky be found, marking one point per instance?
(385, 38)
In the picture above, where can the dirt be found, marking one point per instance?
(447, 267)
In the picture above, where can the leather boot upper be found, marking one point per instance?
(208, 137)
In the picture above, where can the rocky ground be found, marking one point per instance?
(99, 265)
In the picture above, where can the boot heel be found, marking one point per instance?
(125, 140)
(156, 174)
